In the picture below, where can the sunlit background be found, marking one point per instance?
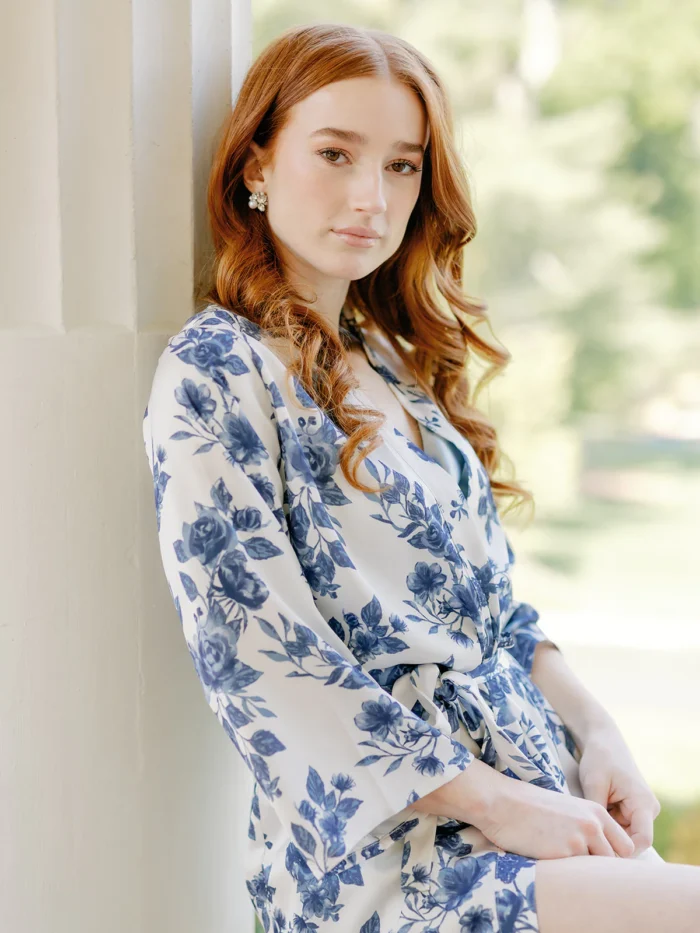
(579, 122)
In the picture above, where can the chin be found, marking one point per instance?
(354, 267)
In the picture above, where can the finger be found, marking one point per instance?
(600, 846)
(618, 838)
(619, 817)
(598, 791)
(622, 823)
(641, 829)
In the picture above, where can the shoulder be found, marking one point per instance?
(213, 344)
(215, 326)
(212, 362)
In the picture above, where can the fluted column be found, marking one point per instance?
(123, 804)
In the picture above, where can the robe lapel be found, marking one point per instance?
(381, 356)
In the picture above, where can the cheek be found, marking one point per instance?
(301, 173)
(405, 199)
(400, 204)
(306, 187)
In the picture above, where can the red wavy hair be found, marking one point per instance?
(415, 297)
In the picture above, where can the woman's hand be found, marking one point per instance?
(609, 776)
(520, 817)
(541, 823)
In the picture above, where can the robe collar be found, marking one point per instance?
(384, 360)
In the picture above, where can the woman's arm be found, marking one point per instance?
(469, 797)
(571, 699)
(472, 794)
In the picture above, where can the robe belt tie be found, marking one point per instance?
(421, 682)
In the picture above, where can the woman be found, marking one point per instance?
(423, 757)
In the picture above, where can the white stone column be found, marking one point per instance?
(123, 805)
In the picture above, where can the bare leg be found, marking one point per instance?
(617, 895)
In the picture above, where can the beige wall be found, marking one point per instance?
(123, 806)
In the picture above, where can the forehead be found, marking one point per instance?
(382, 110)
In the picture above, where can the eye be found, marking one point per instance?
(402, 162)
(334, 151)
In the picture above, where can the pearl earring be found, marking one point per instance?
(258, 199)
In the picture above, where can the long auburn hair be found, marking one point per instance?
(414, 298)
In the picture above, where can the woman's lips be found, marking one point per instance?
(353, 240)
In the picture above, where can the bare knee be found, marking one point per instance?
(616, 895)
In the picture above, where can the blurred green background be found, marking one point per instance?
(579, 122)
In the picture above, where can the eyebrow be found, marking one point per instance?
(351, 136)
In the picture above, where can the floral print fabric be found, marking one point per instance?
(359, 649)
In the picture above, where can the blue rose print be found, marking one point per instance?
(359, 649)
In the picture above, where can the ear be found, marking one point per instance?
(252, 168)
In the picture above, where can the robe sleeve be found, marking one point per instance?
(524, 634)
(331, 750)
(520, 630)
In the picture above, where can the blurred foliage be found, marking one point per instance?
(650, 62)
(677, 832)
(580, 126)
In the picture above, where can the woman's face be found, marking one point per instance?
(319, 180)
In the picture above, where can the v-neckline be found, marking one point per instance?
(408, 394)
(411, 397)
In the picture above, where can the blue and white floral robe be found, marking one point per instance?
(360, 650)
